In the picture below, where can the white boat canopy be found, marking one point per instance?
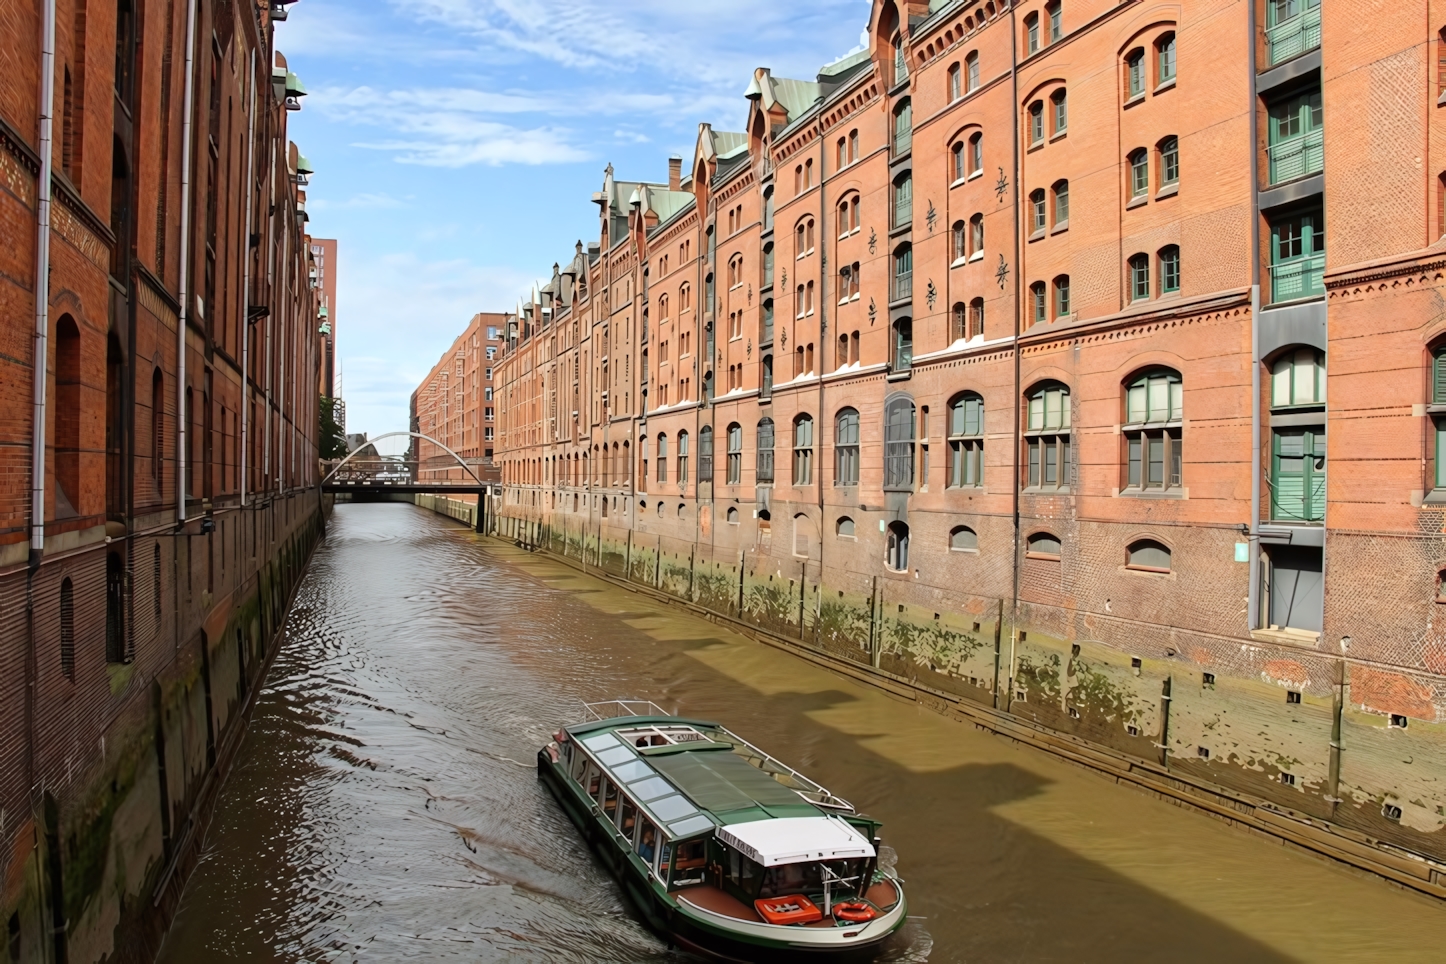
(792, 840)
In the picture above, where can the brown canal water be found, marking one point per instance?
(384, 805)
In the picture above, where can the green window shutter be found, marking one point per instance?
(1438, 379)
(1288, 478)
(1441, 453)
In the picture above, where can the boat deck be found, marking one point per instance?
(882, 895)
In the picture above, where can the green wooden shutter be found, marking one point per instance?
(1288, 477)
(1438, 379)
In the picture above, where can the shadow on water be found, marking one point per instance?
(385, 807)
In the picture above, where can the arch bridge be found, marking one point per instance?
(363, 472)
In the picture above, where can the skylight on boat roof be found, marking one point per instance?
(600, 742)
(632, 771)
(614, 756)
(691, 825)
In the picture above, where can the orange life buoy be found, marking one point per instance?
(857, 912)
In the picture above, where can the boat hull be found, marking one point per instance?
(695, 929)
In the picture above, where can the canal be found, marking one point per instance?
(384, 805)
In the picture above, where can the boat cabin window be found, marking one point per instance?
(594, 780)
(787, 879)
(629, 818)
(610, 798)
(579, 767)
(648, 843)
(741, 873)
(689, 860)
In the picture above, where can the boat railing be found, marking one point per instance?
(797, 782)
(615, 709)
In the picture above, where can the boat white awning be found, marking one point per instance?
(793, 840)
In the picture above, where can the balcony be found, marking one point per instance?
(902, 287)
(1297, 278)
(1293, 36)
(1297, 157)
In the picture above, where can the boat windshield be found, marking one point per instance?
(808, 878)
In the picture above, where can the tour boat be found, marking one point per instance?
(726, 851)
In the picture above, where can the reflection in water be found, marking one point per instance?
(384, 805)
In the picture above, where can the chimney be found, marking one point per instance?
(675, 172)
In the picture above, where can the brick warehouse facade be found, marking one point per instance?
(1004, 360)
(455, 406)
(143, 579)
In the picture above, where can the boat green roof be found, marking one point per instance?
(729, 787)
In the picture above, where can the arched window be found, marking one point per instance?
(705, 454)
(842, 154)
(67, 628)
(896, 550)
(976, 236)
(764, 460)
(735, 454)
(899, 440)
(1061, 296)
(903, 128)
(1169, 257)
(963, 539)
(1139, 173)
(1135, 74)
(853, 146)
(956, 153)
(1031, 34)
(902, 282)
(765, 386)
(961, 241)
(662, 458)
(643, 464)
(976, 318)
(1047, 437)
(1169, 149)
(971, 70)
(976, 152)
(115, 624)
(1165, 58)
(1043, 545)
(67, 417)
(1059, 108)
(966, 440)
(956, 82)
(158, 431)
(846, 447)
(1036, 122)
(803, 450)
(1147, 555)
(1055, 11)
(1038, 212)
(1298, 451)
(1060, 191)
(682, 458)
(903, 344)
(1038, 303)
(903, 199)
(958, 322)
(1153, 417)
(1140, 277)
(732, 516)
(844, 528)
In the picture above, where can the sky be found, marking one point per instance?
(457, 144)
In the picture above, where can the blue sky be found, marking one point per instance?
(457, 143)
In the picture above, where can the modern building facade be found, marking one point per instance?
(1007, 359)
(455, 406)
(158, 433)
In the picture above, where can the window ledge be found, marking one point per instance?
(1042, 557)
(899, 229)
(958, 181)
(1174, 493)
(1299, 638)
(1435, 497)
(1037, 235)
(1059, 135)
(1135, 99)
(957, 262)
(1060, 227)
(974, 174)
(1169, 190)
(904, 375)
(977, 255)
(1166, 85)
(1034, 146)
(1041, 490)
(1137, 202)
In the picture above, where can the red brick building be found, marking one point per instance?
(158, 426)
(454, 406)
(1007, 358)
